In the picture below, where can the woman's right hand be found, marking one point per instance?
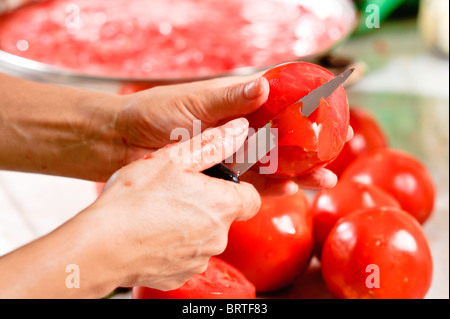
(164, 219)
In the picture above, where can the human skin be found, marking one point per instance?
(158, 221)
(90, 135)
(157, 224)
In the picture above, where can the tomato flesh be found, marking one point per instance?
(377, 253)
(275, 246)
(304, 143)
(219, 281)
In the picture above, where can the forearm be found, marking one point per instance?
(71, 262)
(59, 131)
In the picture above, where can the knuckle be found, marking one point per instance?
(240, 198)
(250, 202)
(230, 96)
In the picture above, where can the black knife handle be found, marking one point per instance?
(222, 172)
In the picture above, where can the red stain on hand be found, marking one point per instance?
(128, 183)
(170, 145)
(148, 156)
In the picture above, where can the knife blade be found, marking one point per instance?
(263, 141)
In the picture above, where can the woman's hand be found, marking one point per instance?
(90, 135)
(148, 118)
(157, 223)
(167, 217)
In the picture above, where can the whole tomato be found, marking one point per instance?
(274, 247)
(329, 205)
(219, 281)
(377, 253)
(399, 174)
(304, 143)
(367, 135)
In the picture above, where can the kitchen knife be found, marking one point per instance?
(260, 143)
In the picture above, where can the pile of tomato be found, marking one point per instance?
(366, 231)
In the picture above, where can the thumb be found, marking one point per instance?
(211, 147)
(226, 98)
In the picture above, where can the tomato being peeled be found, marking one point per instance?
(367, 135)
(399, 174)
(329, 205)
(304, 143)
(275, 246)
(219, 281)
(379, 253)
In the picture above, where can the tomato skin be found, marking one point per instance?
(275, 246)
(329, 205)
(399, 174)
(367, 135)
(304, 144)
(387, 238)
(219, 281)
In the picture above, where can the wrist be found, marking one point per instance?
(105, 134)
(70, 262)
(59, 131)
(95, 250)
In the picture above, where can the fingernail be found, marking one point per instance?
(350, 134)
(253, 89)
(291, 188)
(237, 126)
(329, 180)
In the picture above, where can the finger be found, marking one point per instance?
(211, 147)
(250, 200)
(350, 133)
(319, 179)
(229, 97)
(270, 187)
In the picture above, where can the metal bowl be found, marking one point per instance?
(42, 72)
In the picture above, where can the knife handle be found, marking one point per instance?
(222, 172)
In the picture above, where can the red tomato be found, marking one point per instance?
(274, 247)
(398, 173)
(304, 143)
(368, 135)
(219, 281)
(377, 253)
(329, 205)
